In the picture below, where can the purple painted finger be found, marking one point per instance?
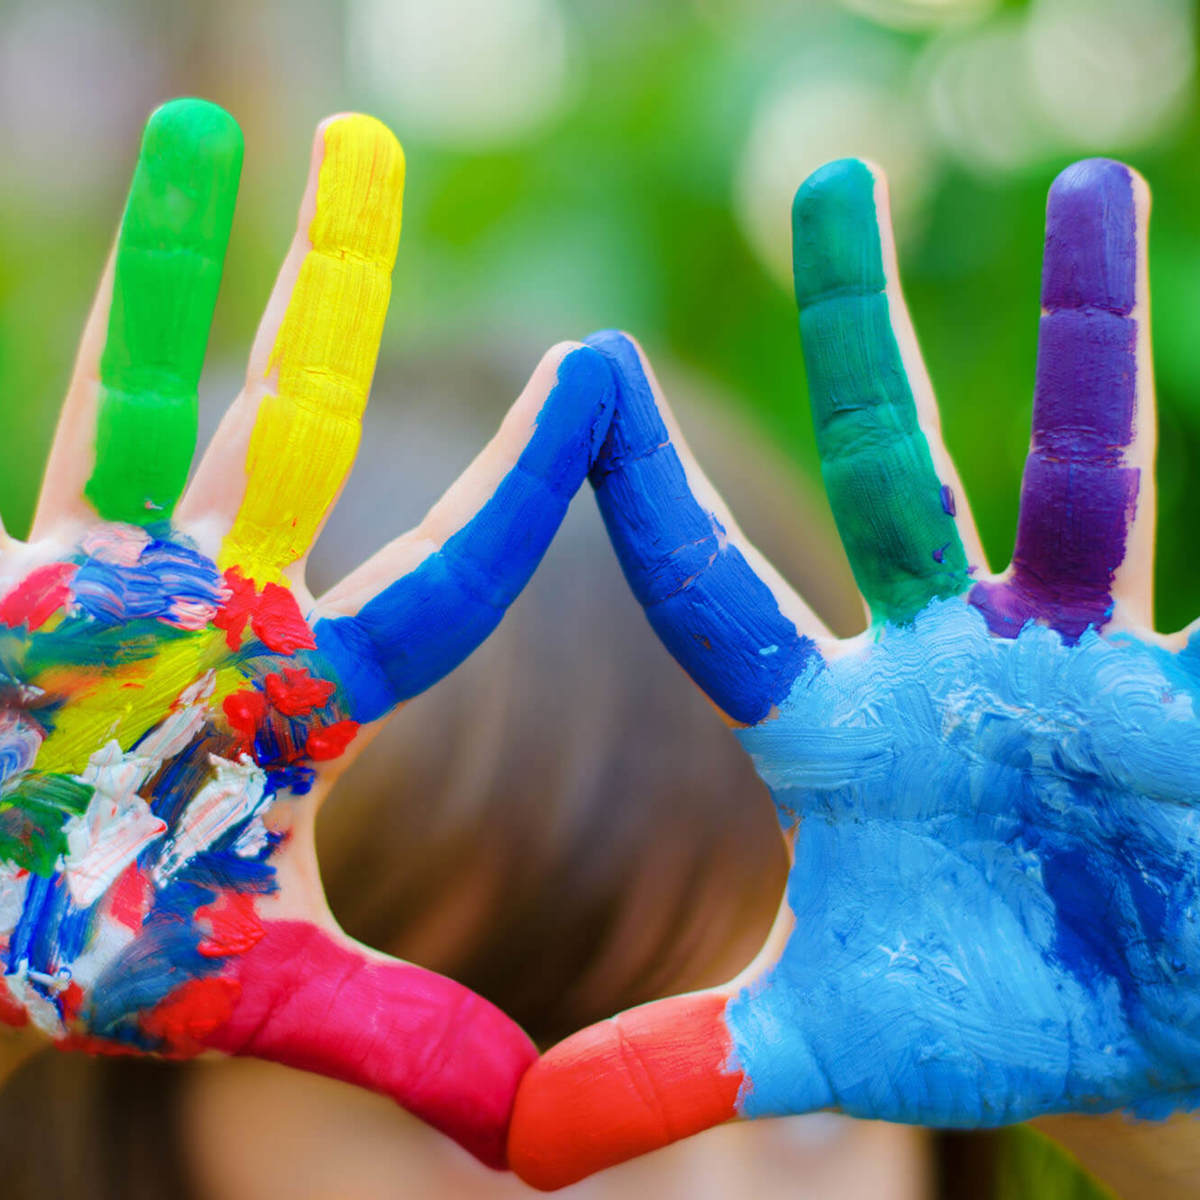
(1086, 477)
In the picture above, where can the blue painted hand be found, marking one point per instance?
(989, 794)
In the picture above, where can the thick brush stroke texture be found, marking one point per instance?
(997, 860)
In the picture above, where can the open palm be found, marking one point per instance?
(989, 795)
(174, 704)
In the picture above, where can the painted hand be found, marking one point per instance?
(175, 704)
(990, 795)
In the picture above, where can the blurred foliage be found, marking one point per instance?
(1030, 1166)
(616, 206)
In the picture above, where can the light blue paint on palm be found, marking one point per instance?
(997, 865)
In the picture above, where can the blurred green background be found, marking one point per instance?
(582, 163)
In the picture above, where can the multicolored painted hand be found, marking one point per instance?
(990, 795)
(174, 702)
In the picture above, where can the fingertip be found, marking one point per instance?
(637, 425)
(365, 127)
(190, 148)
(836, 181)
(586, 378)
(1092, 237)
(198, 122)
(622, 1088)
(624, 351)
(558, 354)
(628, 365)
(836, 217)
(1095, 179)
(360, 190)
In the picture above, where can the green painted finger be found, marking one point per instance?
(169, 257)
(895, 517)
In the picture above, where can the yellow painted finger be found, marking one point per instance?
(307, 429)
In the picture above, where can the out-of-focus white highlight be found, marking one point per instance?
(920, 14)
(462, 72)
(811, 118)
(1068, 77)
(981, 102)
(1111, 72)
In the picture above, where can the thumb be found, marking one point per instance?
(641, 1080)
(310, 999)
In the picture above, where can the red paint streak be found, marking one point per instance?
(295, 693)
(11, 1013)
(318, 1003)
(233, 923)
(71, 1001)
(278, 622)
(235, 612)
(244, 710)
(624, 1087)
(131, 897)
(185, 1019)
(38, 596)
(85, 1044)
(330, 741)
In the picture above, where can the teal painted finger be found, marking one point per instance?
(895, 516)
(170, 253)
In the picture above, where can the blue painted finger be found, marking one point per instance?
(714, 613)
(421, 627)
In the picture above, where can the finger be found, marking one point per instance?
(460, 569)
(897, 500)
(724, 613)
(624, 1087)
(1086, 526)
(283, 451)
(320, 1003)
(128, 428)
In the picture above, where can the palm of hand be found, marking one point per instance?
(159, 715)
(989, 795)
(994, 886)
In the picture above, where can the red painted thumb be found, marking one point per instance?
(646, 1078)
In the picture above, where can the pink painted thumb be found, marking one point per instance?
(311, 1001)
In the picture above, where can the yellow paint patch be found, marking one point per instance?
(128, 701)
(306, 434)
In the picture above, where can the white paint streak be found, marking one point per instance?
(235, 793)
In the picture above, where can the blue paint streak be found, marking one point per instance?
(164, 955)
(994, 886)
(74, 927)
(167, 576)
(716, 617)
(221, 868)
(294, 778)
(421, 627)
(37, 894)
(177, 784)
